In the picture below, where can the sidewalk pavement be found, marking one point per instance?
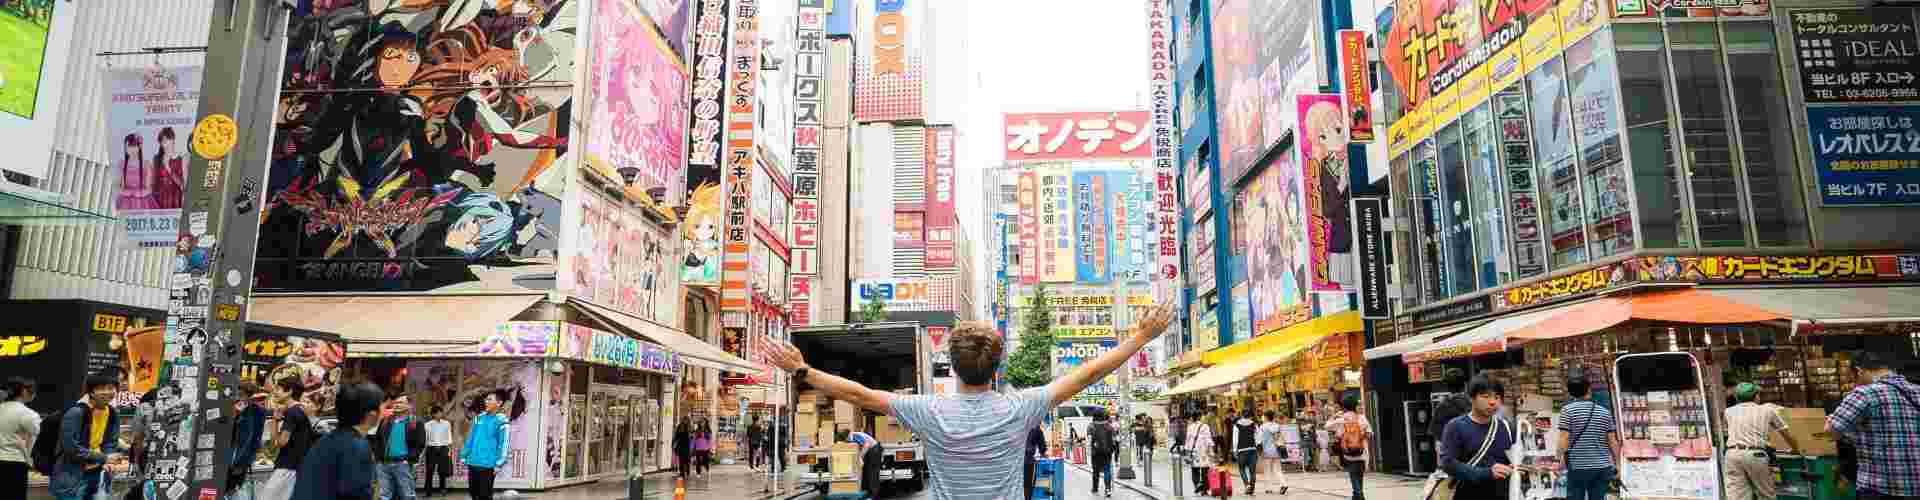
(1301, 485)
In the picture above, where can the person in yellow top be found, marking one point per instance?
(86, 442)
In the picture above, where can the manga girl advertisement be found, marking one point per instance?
(1323, 139)
(616, 258)
(150, 112)
(461, 386)
(1277, 246)
(637, 129)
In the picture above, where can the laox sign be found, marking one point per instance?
(896, 291)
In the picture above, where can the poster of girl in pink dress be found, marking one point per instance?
(637, 125)
(150, 112)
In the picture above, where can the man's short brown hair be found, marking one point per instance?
(976, 350)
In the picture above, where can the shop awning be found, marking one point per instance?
(1838, 305)
(1408, 344)
(1489, 337)
(1686, 305)
(1254, 356)
(396, 326)
(692, 350)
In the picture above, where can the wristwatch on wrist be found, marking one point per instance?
(801, 374)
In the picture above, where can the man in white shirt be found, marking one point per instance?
(439, 454)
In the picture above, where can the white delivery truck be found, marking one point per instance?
(887, 356)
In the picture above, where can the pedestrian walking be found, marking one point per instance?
(291, 432)
(1036, 448)
(439, 456)
(683, 447)
(1270, 455)
(1103, 446)
(249, 425)
(19, 428)
(1350, 432)
(702, 449)
(340, 465)
(1882, 418)
(755, 433)
(973, 435)
(1246, 450)
(1200, 454)
(1748, 454)
(485, 451)
(1143, 443)
(401, 440)
(1473, 448)
(1590, 443)
(86, 445)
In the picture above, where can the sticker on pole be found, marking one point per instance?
(215, 136)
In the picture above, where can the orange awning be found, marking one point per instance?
(1674, 306)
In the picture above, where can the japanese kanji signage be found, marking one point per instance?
(1165, 148)
(709, 83)
(1866, 155)
(743, 69)
(1056, 223)
(809, 90)
(1090, 193)
(1356, 85)
(1856, 55)
(940, 202)
(1097, 135)
(1027, 191)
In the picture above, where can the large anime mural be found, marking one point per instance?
(416, 143)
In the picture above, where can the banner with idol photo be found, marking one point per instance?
(150, 115)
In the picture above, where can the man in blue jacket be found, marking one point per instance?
(1476, 474)
(89, 437)
(248, 424)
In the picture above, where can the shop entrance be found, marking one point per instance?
(623, 417)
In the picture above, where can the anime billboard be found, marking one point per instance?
(672, 18)
(461, 387)
(637, 128)
(1325, 172)
(1264, 54)
(1277, 246)
(617, 258)
(416, 146)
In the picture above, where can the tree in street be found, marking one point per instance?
(1031, 365)
(874, 311)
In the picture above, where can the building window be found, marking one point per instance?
(1552, 112)
(1699, 83)
(1643, 79)
(1596, 123)
(1489, 219)
(1426, 201)
(1763, 117)
(1456, 213)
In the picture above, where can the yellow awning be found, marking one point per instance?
(1254, 356)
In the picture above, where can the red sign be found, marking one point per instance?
(1096, 135)
(1029, 227)
(940, 202)
(909, 230)
(1356, 84)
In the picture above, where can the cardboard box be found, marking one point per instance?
(826, 432)
(845, 412)
(808, 421)
(889, 430)
(843, 487)
(1808, 426)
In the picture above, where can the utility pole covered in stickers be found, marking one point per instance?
(189, 439)
(738, 169)
(1166, 285)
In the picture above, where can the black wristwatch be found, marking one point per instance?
(801, 374)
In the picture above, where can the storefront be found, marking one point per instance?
(1276, 371)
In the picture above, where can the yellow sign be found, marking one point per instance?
(1082, 331)
(109, 323)
(226, 312)
(215, 136)
(1085, 300)
(21, 345)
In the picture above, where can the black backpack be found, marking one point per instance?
(1102, 436)
(46, 449)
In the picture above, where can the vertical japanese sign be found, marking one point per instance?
(1056, 223)
(809, 89)
(940, 202)
(1370, 242)
(1355, 83)
(709, 86)
(743, 76)
(149, 114)
(1323, 159)
(1090, 225)
(1165, 148)
(1126, 219)
(1027, 192)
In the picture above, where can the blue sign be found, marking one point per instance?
(1866, 155)
(1090, 198)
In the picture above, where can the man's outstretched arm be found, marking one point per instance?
(1145, 330)
(788, 358)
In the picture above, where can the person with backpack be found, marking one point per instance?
(1473, 448)
(19, 428)
(1102, 445)
(1882, 418)
(1589, 443)
(291, 432)
(1246, 449)
(1350, 433)
(88, 438)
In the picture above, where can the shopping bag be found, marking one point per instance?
(1224, 483)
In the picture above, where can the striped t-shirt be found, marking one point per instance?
(1587, 424)
(974, 441)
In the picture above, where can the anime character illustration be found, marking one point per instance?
(671, 17)
(638, 127)
(414, 139)
(1326, 129)
(1277, 289)
(701, 231)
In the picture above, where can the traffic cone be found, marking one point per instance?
(679, 489)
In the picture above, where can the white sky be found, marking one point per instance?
(1035, 55)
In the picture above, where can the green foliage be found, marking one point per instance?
(874, 311)
(1031, 365)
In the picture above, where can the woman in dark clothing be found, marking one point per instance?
(683, 447)
(1036, 444)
